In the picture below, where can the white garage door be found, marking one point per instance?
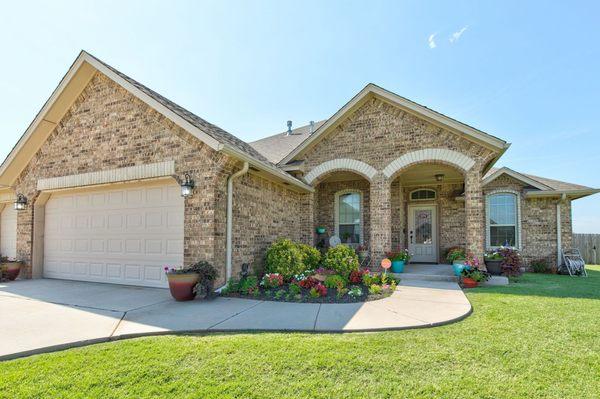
(8, 231)
(125, 234)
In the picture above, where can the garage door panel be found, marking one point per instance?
(124, 235)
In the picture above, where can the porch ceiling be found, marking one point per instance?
(425, 174)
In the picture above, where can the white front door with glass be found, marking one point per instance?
(422, 233)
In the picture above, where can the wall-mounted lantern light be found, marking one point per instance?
(21, 202)
(187, 187)
(439, 177)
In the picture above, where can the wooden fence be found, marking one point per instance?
(589, 245)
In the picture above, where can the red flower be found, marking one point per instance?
(308, 282)
(321, 289)
(356, 276)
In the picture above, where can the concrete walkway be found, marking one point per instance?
(45, 315)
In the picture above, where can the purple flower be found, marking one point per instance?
(166, 269)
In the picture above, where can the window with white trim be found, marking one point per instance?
(423, 194)
(348, 217)
(502, 223)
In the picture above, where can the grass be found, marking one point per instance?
(537, 338)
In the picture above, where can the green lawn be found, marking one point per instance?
(538, 338)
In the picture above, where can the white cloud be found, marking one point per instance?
(456, 35)
(431, 41)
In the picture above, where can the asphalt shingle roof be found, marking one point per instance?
(212, 130)
(553, 184)
(276, 147)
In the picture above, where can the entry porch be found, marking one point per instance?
(423, 208)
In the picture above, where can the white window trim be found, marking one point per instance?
(487, 217)
(336, 207)
(410, 198)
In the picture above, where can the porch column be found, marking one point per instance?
(381, 218)
(474, 214)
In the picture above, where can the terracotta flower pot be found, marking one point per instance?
(183, 285)
(469, 282)
(11, 270)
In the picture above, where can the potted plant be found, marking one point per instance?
(493, 262)
(456, 256)
(363, 252)
(207, 274)
(10, 268)
(471, 276)
(182, 282)
(399, 259)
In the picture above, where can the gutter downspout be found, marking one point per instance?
(229, 233)
(559, 230)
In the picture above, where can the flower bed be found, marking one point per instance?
(319, 286)
(299, 273)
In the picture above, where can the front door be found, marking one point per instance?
(422, 233)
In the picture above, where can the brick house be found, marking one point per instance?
(98, 173)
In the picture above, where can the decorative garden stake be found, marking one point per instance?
(386, 264)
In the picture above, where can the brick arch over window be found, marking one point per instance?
(352, 165)
(461, 161)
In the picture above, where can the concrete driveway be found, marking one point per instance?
(44, 315)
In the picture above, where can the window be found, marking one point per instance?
(502, 215)
(422, 195)
(349, 217)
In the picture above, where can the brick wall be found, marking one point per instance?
(538, 222)
(108, 128)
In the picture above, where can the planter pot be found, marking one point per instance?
(458, 266)
(183, 285)
(11, 270)
(320, 230)
(494, 267)
(397, 266)
(469, 282)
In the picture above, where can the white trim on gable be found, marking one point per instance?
(514, 174)
(407, 105)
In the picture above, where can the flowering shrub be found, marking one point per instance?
(355, 291)
(284, 257)
(308, 282)
(472, 261)
(272, 280)
(511, 261)
(342, 259)
(318, 291)
(400, 255)
(375, 289)
(356, 276)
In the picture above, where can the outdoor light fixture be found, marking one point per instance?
(186, 187)
(21, 202)
(439, 177)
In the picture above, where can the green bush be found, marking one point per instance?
(539, 266)
(284, 257)
(311, 257)
(335, 281)
(342, 259)
(248, 285)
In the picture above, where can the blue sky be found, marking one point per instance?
(524, 71)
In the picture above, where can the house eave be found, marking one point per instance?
(572, 194)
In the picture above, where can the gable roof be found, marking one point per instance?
(75, 80)
(276, 147)
(543, 186)
(407, 105)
